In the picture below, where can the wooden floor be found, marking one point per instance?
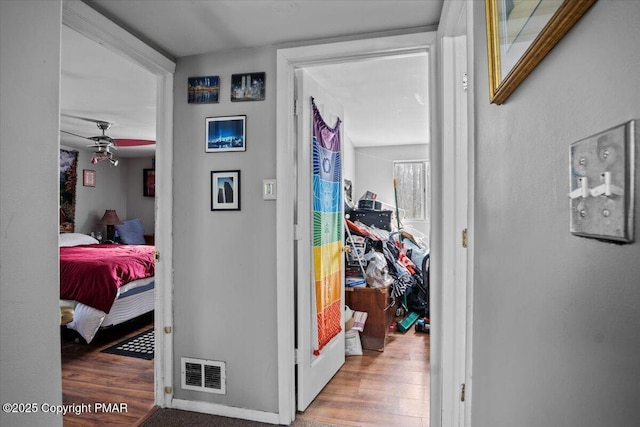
(389, 388)
(90, 377)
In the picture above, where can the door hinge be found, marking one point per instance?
(464, 238)
(156, 256)
(168, 389)
(462, 392)
(168, 329)
(296, 356)
(296, 232)
(465, 82)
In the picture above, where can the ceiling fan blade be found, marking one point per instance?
(87, 119)
(124, 142)
(74, 134)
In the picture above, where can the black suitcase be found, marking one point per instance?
(372, 218)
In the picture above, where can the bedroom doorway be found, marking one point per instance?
(83, 19)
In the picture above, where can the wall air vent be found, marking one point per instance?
(203, 375)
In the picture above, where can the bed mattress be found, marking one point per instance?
(132, 300)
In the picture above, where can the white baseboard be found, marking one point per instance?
(225, 411)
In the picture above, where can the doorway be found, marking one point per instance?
(288, 59)
(385, 132)
(83, 19)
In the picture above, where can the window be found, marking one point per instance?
(411, 185)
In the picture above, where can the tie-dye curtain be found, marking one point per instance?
(68, 178)
(327, 226)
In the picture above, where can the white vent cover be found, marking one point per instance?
(203, 375)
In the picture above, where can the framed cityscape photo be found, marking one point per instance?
(226, 134)
(248, 87)
(225, 190)
(203, 90)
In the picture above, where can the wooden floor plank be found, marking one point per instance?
(90, 377)
(389, 388)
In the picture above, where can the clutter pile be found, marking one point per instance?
(385, 254)
(354, 325)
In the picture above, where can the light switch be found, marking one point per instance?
(601, 191)
(269, 189)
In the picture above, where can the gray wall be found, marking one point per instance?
(225, 264)
(556, 333)
(139, 206)
(117, 187)
(374, 172)
(91, 202)
(29, 314)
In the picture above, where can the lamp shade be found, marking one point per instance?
(110, 217)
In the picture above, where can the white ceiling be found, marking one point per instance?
(386, 100)
(98, 84)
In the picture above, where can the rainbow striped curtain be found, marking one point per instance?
(327, 226)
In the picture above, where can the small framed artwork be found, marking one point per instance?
(226, 134)
(88, 178)
(248, 87)
(149, 182)
(203, 90)
(225, 190)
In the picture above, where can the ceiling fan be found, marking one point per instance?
(102, 143)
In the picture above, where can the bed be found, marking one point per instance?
(106, 284)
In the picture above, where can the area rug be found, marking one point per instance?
(140, 346)
(173, 417)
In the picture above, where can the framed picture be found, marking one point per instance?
(225, 190)
(226, 134)
(520, 34)
(203, 90)
(248, 87)
(88, 178)
(149, 182)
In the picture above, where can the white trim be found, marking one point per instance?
(287, 60)
(163, 367)
(89, 22)
(82, 18)
(448, 383)
(471, 213)
(225, 411)
(455, 267)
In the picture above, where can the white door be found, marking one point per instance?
(313, 370)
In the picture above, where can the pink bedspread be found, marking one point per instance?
(92, 274)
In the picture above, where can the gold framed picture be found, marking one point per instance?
(519, 35)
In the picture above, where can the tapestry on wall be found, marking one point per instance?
(68, 179)
(327, 227)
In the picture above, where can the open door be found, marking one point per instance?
(317, 363)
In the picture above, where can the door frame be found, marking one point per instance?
(457, 186)
(95, 26)
(288, 59)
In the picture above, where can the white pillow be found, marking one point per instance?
(75, 239)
